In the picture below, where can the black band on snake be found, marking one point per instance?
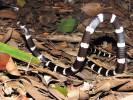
(84, 45)
(93, 50)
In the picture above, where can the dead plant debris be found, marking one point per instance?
(42, 16)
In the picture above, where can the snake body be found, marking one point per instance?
(84, 45)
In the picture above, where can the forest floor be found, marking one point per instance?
(59, 42)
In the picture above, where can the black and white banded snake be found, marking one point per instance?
(84, 45)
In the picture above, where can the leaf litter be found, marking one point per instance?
(41, 17)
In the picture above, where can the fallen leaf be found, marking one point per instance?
(112, 3)
(63, 44)
(33, 91)
(114, 11)
(92, 9)
(67, 25)
(57, 94)
(107, 46)
(22, 97)
(17, 36)
(78, 93)
(21, 3)
(60, 4)
(128, 40)
(130, 97)
(131, 52)
(6, 63)
(62, 90)
(4, 58)
(45, 35)
(11, 68)
(110, 97)
(74, 94)
(7, 35)
(126, 87)
(106, 85)
(7, 14)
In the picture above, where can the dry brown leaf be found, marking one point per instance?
(12, 43)
(16, 35)
(45, 35)
(67, 38)
(112, 3)
(106, 85)
(107, 46)
(126, 87)
(92, 9)
(4, 59)
(114, 11)
(6, 63)
(39, 45)
(128, 40)
(7, 35)
(62, 78)
(22, 97)
(110, 97)
(78, 93)
(33, 91)
(73, 94)
(63, 44)
(83, 95)
(7, 14)
(11, 68)
(131, 52)
(129, 97)
(11, 85)
(36, 84)
(1, 92)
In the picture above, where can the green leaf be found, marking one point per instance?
(67, 25)
(60, 89)
(16, 53)
(21, 3)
